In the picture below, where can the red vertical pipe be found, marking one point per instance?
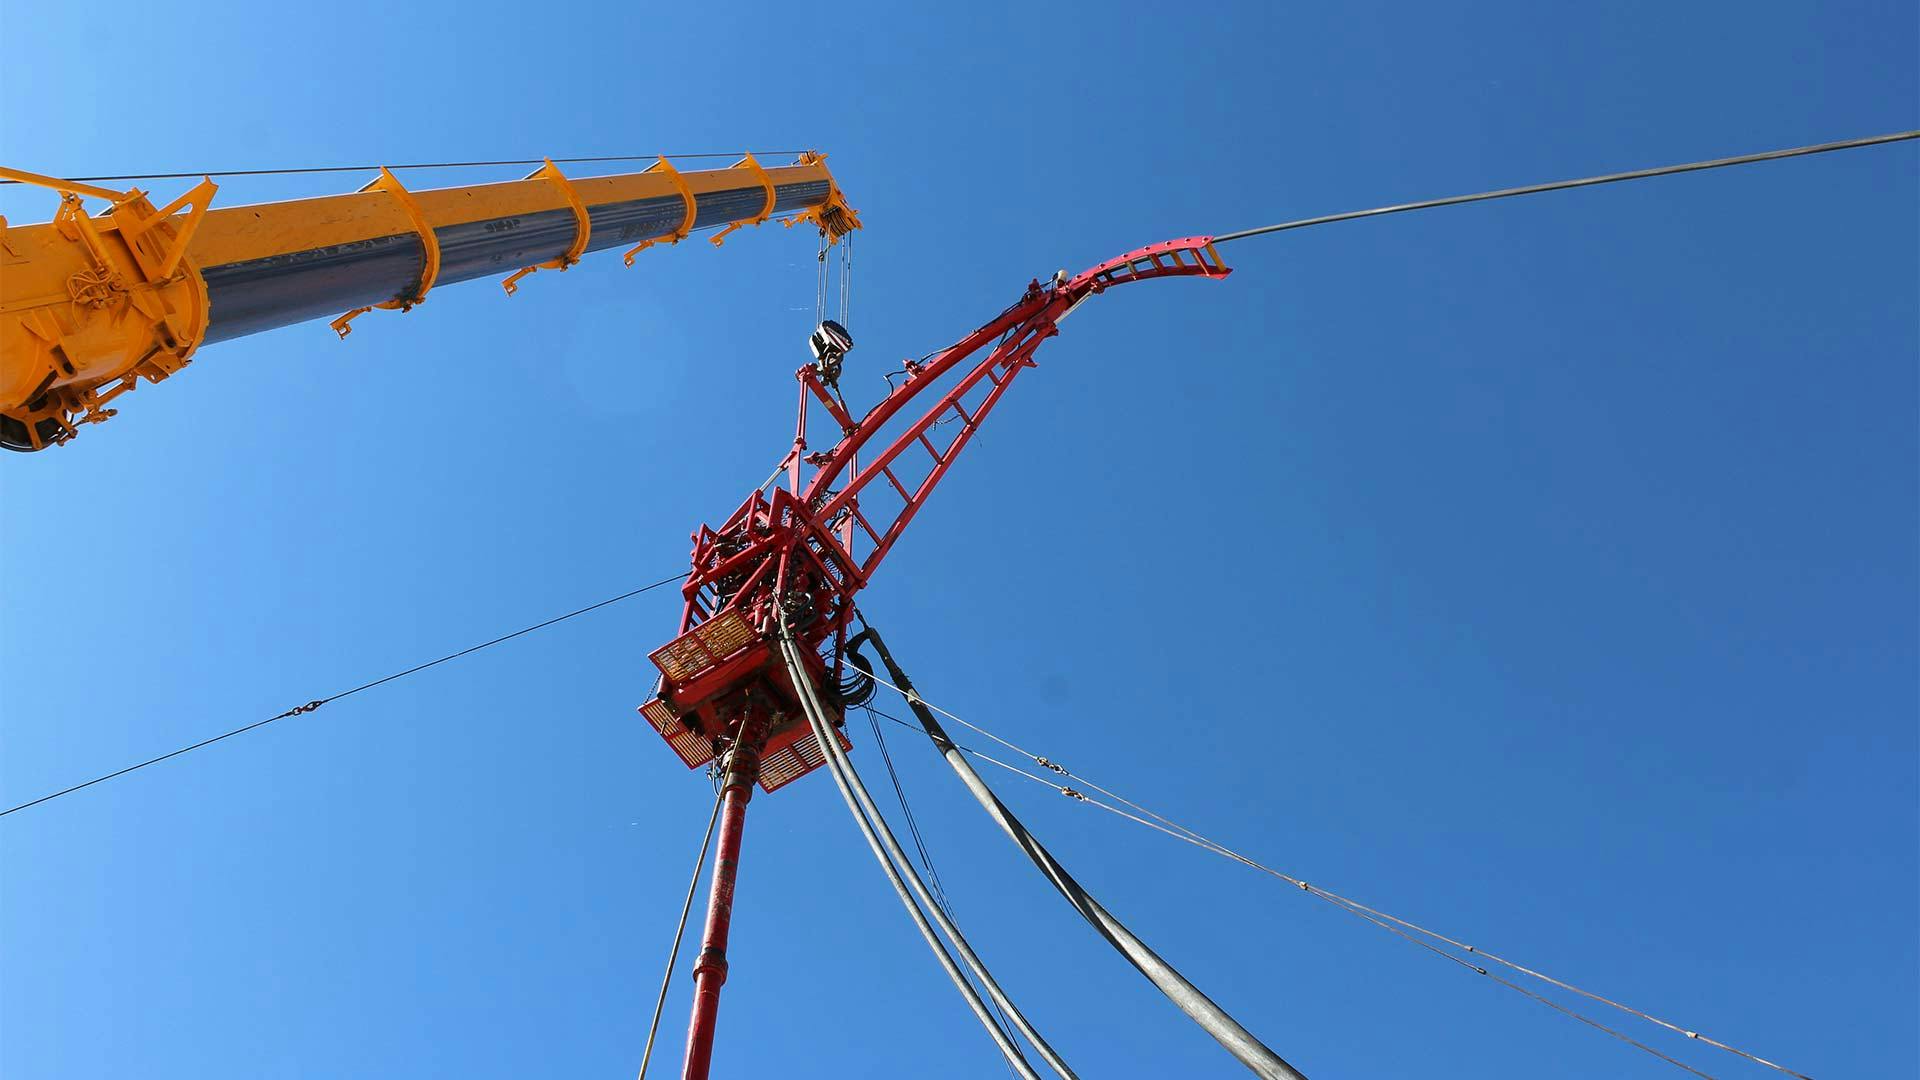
(710, 970)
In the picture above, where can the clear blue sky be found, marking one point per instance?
(1542, 570)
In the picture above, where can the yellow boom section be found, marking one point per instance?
(91, 305)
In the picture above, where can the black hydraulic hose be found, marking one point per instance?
(947, 926)
(1238, 1041)
(835, 759)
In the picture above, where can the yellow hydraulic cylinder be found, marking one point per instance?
(91, 305)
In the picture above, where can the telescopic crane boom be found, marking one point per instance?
(92, 304)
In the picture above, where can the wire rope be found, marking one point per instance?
(1160, 823)
(679, 932)
(299, 710)
(1588, 181)
(846, 279)
(1233, 1037)
(1352, 908)
(396, 168)
(906, 811)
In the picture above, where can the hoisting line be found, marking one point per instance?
(310, 706)
(418, 165)
(1214, 1020)
(1382, 919)
(680, 931)
(846, 279)
(1561, 185)
(820, 285)
(881, 840)
(845, 315)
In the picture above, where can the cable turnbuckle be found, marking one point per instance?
(1046, 764)
(1072, 794)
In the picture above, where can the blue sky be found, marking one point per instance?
(1544, 570)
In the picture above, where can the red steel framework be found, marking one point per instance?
(809, 545)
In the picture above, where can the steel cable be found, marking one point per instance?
(1384, 921)
(416, 165)
(679, 932)
(1561, 185)
(299, 710)
(906, 811)
(1181, 832)
(1180, 991)
(846, 279)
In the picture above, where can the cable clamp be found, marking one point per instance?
(582, 227)
(686, 196)
(429, 246)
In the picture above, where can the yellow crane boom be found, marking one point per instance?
(91, 305)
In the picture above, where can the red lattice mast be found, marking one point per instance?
(813, 541)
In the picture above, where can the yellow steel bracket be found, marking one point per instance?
(834, 217)
(137, 218)
(429, 243)
(766, 212)
(80, 326)
(582, 227)
(686, 196)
